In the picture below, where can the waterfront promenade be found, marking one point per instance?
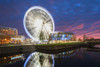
(45, 48)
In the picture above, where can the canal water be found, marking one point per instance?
(81, 57)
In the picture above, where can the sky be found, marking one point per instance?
(82, 17)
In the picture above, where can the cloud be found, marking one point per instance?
(81, 26)
(80, 18)
(94, 27)
(96, 23)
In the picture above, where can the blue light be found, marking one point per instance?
(61, 37)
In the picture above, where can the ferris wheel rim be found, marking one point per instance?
(32, 8)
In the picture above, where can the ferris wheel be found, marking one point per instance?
(38, 23)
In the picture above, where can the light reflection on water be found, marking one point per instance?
(37, 59)
(11, 59)
(97, 46)
(81, 57)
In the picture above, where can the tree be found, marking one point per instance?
(79, 39)
(84, 37)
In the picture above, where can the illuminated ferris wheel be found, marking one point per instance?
(38, 23)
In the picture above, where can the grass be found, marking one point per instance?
(10, 44)
(70, 43)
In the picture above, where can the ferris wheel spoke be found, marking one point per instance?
(38, 23)
(46, 32)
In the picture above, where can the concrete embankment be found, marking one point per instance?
(9, 50)
(57, 48)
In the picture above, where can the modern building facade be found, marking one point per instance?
(62, 37)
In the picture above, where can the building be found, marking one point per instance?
(10, 36)
(84, 37)
(8, 31)
(92, 40)
(17, 39)
(62, 37)
(28, 41)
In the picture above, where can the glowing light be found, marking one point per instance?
(36, 57)
(38, 23)
(16, 57)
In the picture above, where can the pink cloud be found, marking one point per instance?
(69, 28)
(81, 26)
(89, 33)
(95, 23)
(93, 27)
(97, 37)
(96, 34)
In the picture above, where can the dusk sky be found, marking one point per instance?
(77, 16)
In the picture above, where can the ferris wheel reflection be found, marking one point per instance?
(37, 59)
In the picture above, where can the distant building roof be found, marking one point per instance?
(62, 32)
(1, 27)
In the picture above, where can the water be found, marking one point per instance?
(74, 58)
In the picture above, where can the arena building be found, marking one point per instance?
(62, 36)
(58, 37)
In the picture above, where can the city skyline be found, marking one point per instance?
(79, 17)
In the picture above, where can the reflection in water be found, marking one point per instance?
(11, 59)
(95, 48)
(65, 54)
(73, 58)
(37, 59)
(98, 46)
(45, 60)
